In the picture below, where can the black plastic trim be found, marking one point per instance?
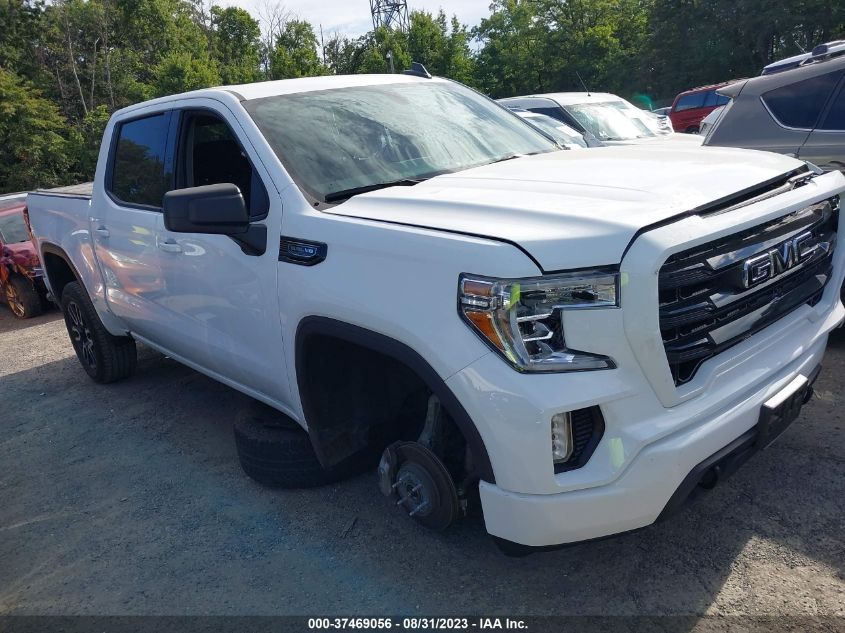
(324, 326)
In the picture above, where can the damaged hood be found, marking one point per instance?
(573, 209)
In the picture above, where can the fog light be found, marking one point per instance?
(562, 444)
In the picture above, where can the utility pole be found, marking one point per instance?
(392, 14)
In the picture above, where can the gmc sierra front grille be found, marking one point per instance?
(718, 294)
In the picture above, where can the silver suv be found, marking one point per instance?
(799, 112)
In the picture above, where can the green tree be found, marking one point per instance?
(182, 71)
(378, 44)
(295, 52)
(442, 46)
(33, 149)
(236, 41)
(513, 57)
(84, 142)
(344, 55)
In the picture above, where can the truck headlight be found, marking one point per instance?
(521, 318)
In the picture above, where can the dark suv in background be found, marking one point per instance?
(799, 112)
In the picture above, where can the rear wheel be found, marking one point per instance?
(22, 298)
(104, 357)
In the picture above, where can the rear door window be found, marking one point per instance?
(835, 119)
(139, 173)
(690, 101)
(799, 105)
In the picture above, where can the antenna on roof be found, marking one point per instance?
(587, 90)
(418, 70)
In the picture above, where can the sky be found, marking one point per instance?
(352, 17)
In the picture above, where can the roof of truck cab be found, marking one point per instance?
(261, 89)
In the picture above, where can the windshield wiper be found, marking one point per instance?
(345, 194)
(513, 156)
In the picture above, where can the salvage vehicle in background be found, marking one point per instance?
(21, 278)
(606, 117)
(691, 106)
(563, 135)
(799, 112)
(415, 281)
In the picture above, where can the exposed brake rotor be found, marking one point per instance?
(420, 483)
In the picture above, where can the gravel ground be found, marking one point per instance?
(128, 499)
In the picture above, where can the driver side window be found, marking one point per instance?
(210, 154)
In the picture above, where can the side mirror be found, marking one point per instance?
(215, 209)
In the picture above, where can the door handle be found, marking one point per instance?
(102, 231)
(169, 246)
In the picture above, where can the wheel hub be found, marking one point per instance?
(417, 491)
(420, 483)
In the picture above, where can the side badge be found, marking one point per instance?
(302, 252)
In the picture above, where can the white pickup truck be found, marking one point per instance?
(573, 342)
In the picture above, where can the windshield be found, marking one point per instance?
(610, 121)
(345, 139)
(560, 132)
(13, 229)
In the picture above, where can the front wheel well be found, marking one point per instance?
(362, 390)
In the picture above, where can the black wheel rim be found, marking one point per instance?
(80, 335)
(14, 301)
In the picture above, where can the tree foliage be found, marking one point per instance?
(66, 65)
(33, 150)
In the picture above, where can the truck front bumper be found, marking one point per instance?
(648, 452)
(655, 485)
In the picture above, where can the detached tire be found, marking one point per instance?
(22, 298)
(105, 358)
(276, 452)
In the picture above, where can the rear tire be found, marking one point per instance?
(104, 357)
(22, 297)
(276, 452)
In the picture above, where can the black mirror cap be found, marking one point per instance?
(215, 209)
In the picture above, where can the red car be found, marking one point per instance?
(690, 107)
(21, 277)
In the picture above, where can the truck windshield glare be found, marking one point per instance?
(352, 138)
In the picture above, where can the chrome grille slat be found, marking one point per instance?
(705, 307)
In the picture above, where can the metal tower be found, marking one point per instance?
(390, 13)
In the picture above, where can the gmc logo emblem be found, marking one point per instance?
(761, 268)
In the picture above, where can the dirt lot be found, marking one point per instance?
(128, 499)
